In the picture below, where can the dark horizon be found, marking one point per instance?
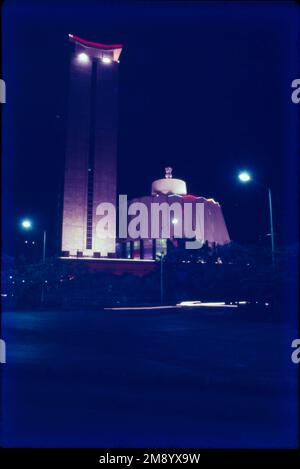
(202, 89)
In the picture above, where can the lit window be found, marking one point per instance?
(136, 250)
(128, 250)
(161, 246)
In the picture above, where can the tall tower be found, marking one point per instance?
(91, 166)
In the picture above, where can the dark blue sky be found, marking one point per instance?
(205, 89)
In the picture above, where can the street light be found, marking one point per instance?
(160, 257)
(245, 177)
(27, 225)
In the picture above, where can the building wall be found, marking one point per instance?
(77, 150)
(91, 147)
(214, 228)
(105, 163)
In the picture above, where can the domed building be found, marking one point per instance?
(168, 217)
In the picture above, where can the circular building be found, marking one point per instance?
(170, 217)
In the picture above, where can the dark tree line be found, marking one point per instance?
(225, 273)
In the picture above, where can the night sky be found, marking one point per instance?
(204, 89)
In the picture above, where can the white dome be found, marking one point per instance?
(168, 185)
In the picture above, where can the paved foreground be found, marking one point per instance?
(148, 379)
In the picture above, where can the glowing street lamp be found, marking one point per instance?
(244, 177)
(174, 221)
(26, 224)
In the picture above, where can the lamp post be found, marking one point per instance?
(27, 224)
(271, 225)
(44, 246)
(162, 278)
(244, 177)
(161, 257)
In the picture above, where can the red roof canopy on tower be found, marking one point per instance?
(95, 44)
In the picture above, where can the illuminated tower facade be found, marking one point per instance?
(91, 150)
